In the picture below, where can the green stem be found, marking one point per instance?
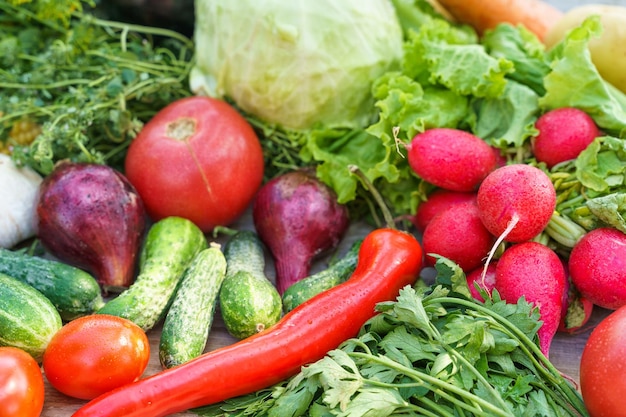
(437, 386)
(564, 230)
(542, 364)
(377, 196)
(479, 377)
(438, 411)
(125, 27)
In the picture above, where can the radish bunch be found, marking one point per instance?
(480, 204)
(491, 217)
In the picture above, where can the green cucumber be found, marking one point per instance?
(248, 300)
(71, 290)
(190, 316)
(169, 247)
(28, 320)
(312, 285)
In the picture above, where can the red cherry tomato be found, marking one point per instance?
(197, 158)
(603, 367)
(94, 354)
(21, 384)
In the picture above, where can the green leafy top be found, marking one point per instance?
(89, 82)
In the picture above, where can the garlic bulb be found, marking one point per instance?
(18, 199)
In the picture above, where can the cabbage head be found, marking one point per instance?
(296, 63)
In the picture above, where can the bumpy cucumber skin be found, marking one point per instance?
(71, 290)
(244, 251)
(248, 304)
(312, 285)
(248, 300)
(28, 320)
(190, 316)
(169, 247)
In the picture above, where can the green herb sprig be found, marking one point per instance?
(90, 83)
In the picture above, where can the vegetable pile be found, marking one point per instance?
(455, 141)
(433, 352)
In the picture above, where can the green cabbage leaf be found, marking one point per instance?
(298, 63)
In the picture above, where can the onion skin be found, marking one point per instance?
(298, 218)
(89, 215)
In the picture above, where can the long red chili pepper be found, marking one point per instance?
(388, 260)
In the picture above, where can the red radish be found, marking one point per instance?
(597, 265)
(451, 159)
(92, 217)
(516, 202)
(438, 201)
(485, 280)
(563, 134)
(535, 272)
(458, 234)
(298, 217)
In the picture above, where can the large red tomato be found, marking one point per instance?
(603, 367)
(197, 158)
(21, 384)
(94, 354)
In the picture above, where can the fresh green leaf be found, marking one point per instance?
(522, 47)
(610, 209)
(575, 82)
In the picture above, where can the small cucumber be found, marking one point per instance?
(169, 247)
(71, 290)
(189, 318)
(28, 320)
(249, 302)
(312, 285)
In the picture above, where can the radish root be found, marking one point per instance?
(512, 223)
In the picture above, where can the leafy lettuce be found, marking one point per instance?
(495, 87)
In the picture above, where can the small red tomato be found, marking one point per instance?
(197, 158)
(21, 384)
(603, 367)
(94, 354)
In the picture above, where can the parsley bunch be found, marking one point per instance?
(432, 352)
(90, 83)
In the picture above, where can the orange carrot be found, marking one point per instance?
(536, 15)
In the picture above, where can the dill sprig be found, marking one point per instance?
(90, 83)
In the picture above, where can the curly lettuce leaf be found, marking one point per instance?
(443, 54)
(507, 121)
(338, 150)
(466, 69)
(412, 108)
(523, 49)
